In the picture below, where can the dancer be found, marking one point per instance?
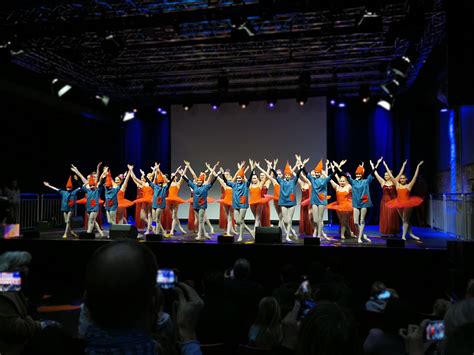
(389, 219)
(111, 197)
(287, 199)
(200, 191)
(226, 201)
(173, 201)
(256, 201)
(404, 202)
(318, 200)
(265, 215)
(123, 203)
(68, 202)
(93, 189)
(146, 200)
(343, 205)
(160, 188)
(240, 199)
(361, 197)
(306, 215)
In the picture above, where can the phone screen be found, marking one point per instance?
(10, 281)
(166, 278)
(435, 330)
(306, 306)
(384, 295)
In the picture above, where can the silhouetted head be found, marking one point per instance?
(242, 269)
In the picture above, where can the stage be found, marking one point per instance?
(430, 238)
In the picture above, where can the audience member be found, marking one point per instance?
(266, 332)
(121, 297)
(285, 293)
(379, 296)
(17, 327)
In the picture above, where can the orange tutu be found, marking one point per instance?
(83, 201)
(343, 203)
(173, 195)
(122, 201)
(404, 200)
(147, 192)
(307, 201)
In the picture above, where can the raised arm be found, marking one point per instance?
(98, 171)
(395, 182)
(190, 169)
(401, 170)
(75, 170)
(127, 177)
(181, 174)
(413, 180)
(137, 181)
(221, 180)
(50, 186)
(272, 179)
(211, 173)
(379, 178)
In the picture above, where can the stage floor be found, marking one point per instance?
(430, 238)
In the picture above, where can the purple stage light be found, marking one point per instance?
(215, 107)
(443, 110)
(159, 109)
(332, 102)
(342, 105)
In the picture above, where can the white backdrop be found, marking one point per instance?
(231, 134)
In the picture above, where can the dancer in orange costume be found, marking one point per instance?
(123, 203)
(306, 215)
(256, 201)
(404, 202)
(226, 202)
(146, 200)
(389, 220)
(173, 201)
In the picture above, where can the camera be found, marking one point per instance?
(10, 282)
(167, 278)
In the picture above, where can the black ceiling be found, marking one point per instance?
(144, 51)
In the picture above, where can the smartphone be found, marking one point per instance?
(10, 281)
(306, 306)
(384, 295)
(435, 330)
(166, 278)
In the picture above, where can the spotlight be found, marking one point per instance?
(215, 106)
(401, 66)
(127, 116)
(364, 93)
(391, 87)
(341, 105)
(385, 104)
(332, 102)
(443, 110)
(244, 104)
(159, 109)
(164, 112)
(135, 110)
(301, 101)
(271, 103)
(60, 88)
(187, 107)
(104, 99)
(332, 95)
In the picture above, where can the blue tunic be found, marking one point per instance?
(111, 200)
(199, 195)
(93, 199)
(319, 190)
(240, 194)
(159, 195)
(68, 199)
(287, 191)
(360, 192)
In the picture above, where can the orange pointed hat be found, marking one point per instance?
(202, 177)
(160, 179)
(108, 180)
(287, 170)
(319, 167)
(91, 181)
(241, 172)
(69, 183)
(360, 170)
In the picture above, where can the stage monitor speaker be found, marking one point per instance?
(395, 243)
(153, 237)
(77, 221)
(85, 235)
(121, 231)
(225, 239)
(311, 241)
(268, 235)
(31, 234)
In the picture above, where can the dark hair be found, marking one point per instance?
(242, 269)
(120, 287)
(328, 329)
(461, 341)
(268, 323)
(377, 287)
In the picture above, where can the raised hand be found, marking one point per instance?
(268, 162)
(372, 164)
(342, 163)
(186, 162)
(304, 161)
(142, 172)
(420, 163)
(130, 167)
(46, 183)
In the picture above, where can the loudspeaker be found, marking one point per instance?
(395, 243)
(311, 241)
(120, 231)
(268, 235)
(77, 221)
(85, 235)
(154, 237)
(31, 234)
(225, 239)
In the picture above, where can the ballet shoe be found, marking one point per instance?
(414, 237)
(367, 238)
(239, 239)
(200, 237)
(342, 237)
(64, 236)
(289, 240)
(182, 230)
(359, 241)
(74, 234)
(403, 238)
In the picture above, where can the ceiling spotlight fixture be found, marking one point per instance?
(215, 106)
(135, 110)
(127, 116)
(385, 104)
(401, 66)
(364, 93)
(60, 88)
(104, 99)
(271, 103)
(341, 105)
(187, 107)
(391, 87)
(301, 101)
(443, 110)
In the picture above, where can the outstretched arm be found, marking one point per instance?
(50, 186)
(188, 165)
(395, 182)
(75, 170)
(181, 174)
(137, 181)
(272, 179)
(413, 180)
(211, 173)
(379, 178)
(401, 170)
(127, 177)
(98, 171)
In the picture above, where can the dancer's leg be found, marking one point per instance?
(356, 222)
(201, 217)
(228, 213)
(157, 213)
(408, 212)
(320, 217)
(208, 222)
(67, 219)
(363, 212)
(112, 217)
